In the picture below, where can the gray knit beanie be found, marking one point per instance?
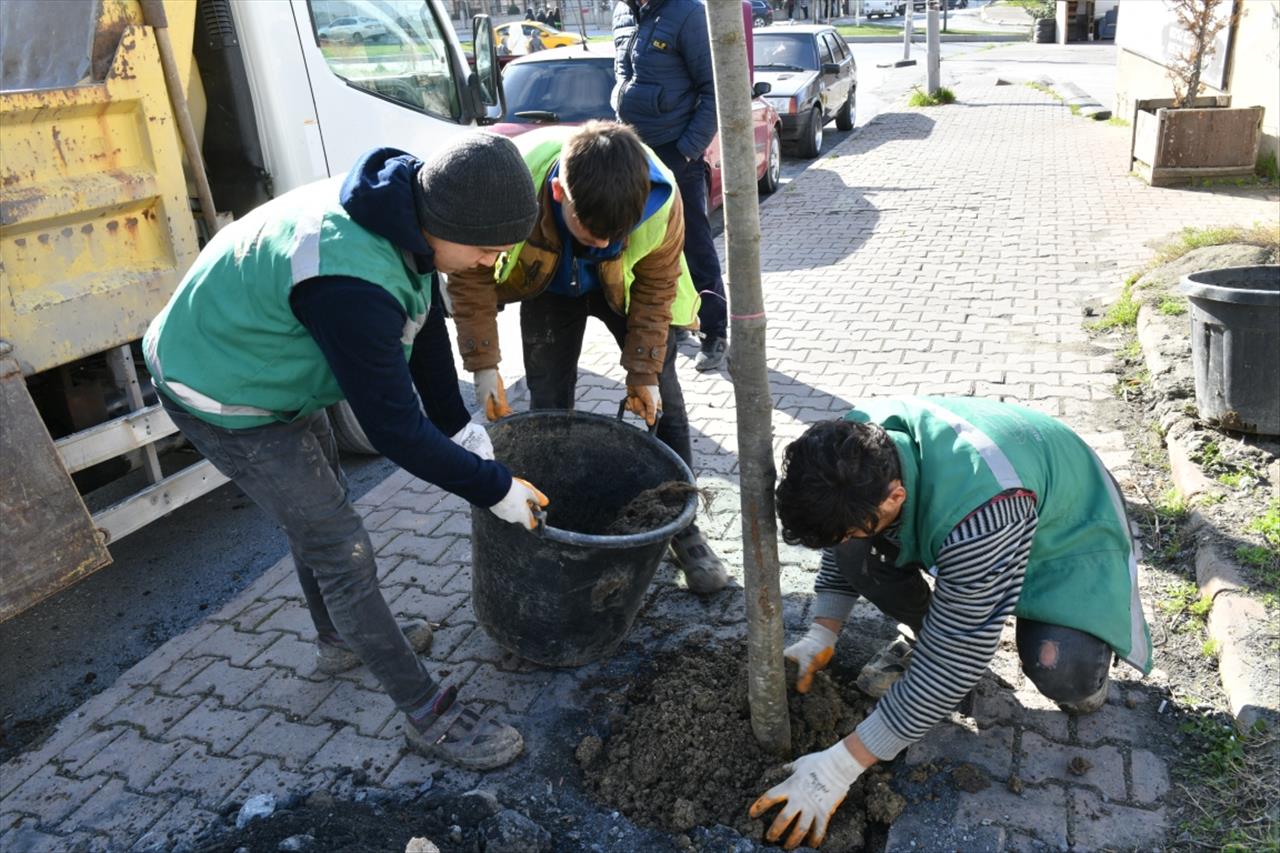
(476, 191)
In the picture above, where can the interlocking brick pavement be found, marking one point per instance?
(941, 251)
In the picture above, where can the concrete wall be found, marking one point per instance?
(1252, 78)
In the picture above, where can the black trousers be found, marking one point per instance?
(552, 326)
(1064, 664)
(699, 243)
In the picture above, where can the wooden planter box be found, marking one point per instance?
(1209, 140)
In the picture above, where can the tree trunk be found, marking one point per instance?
(766, 688)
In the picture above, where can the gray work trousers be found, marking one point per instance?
(291, 470)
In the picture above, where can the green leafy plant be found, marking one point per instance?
(1185, 598)
(1210, 648)
(1268, 169)
(1116, 121)
(921, 98)
(1121, 315)
(1210, 453)
(1266, 235)
(1268, 524)
(1238, 478)
(1172, 306)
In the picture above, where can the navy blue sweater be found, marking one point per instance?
(358, 325)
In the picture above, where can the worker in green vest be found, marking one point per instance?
(324, 294)
(607, 244)
(1011, 512)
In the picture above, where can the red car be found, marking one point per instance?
(569, 85)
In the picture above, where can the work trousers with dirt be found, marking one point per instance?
(552, 326)
(1064, 664)
(699, 242)
(291, 470)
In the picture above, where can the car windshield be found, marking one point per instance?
(571, 90)
(783, 51)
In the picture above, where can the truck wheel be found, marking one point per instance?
(811, 142)
(844, 118)
(347, 430)
(773, 165)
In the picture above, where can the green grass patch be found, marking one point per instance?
(1123, 314)
(1267, 167)
(1185, 598)
(1172, 306)
(1268, 524)
(1047, 90)
(869, 30)
(1257, 556)
(1266, 235)
(1171, 506)
(1237, 479)
(921, 98)
(1132, 351)
(1232, 783)
(1210, 648)
(1116, 121)
(1075, 109)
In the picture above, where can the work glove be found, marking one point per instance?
(517, 507)
(811, 653)
(645, 401)
(490, 395)
(475, 438)
(817, 786)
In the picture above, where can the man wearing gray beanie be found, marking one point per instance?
(330, 292)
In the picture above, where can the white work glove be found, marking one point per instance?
(490, 394)
(517, 506)
(817, 786)
(811, 653)
(645, 401)
(475, 438)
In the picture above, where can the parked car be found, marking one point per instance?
(572, 86)
(352, 29)
(522, 32)
(881, 8)
(761, 13)
(813, 79)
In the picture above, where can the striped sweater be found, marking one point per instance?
(979, 572)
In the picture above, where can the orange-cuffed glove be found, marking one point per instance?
(645, 401)
(490, 393)
(812, 652)
(517, 505)
(810, 796)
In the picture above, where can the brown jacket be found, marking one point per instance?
(475, 296)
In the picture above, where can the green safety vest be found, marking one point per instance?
(228, 347)
(541, 150)
(958, 453)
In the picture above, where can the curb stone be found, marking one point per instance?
(1233, 612)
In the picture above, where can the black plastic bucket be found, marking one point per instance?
(1235, 346)
(556, 596)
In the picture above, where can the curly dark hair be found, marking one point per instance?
(834, 478)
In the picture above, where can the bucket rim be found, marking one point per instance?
(600, 540)
(1193, 288)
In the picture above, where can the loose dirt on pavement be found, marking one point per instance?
(682, 753)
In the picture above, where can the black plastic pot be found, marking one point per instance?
(1235, 346)
(557, 596)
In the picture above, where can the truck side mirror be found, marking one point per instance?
(486, 82)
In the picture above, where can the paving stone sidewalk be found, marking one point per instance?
(944, 251)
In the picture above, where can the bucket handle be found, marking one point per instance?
(622, 410)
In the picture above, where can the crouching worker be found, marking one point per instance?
(325, 294)
(607, 244)
(1016, 515)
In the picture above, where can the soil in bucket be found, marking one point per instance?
(682, 753)
(652, 508)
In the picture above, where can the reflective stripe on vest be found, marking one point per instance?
(991, 454)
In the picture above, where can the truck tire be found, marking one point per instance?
(347, 430)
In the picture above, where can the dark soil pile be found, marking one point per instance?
(343, 826)
(652, 508)
(682, 753)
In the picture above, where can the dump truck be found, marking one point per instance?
(129, 130)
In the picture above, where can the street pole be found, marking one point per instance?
(906, 32)
(766, 680)
(933, 60)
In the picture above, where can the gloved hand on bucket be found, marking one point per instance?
(645, 401)
(811, 653)
(810, 796)
(490, 394)
(517, 507)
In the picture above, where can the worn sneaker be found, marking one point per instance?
(711, 356)
(461, 734)
(1088, 704)
(885, 668)
(334, 656)
(703, 571)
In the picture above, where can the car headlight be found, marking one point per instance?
(783, 104)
